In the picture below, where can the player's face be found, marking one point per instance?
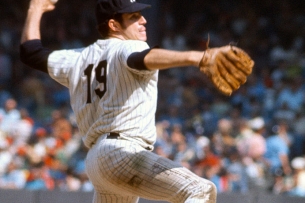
(134, 26)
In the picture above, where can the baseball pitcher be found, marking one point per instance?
(113, 90)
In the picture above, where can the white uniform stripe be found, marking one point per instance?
(133, 100)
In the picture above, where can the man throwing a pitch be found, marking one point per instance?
(113, 90)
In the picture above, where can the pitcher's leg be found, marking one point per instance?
(127, 170)
(177, 184)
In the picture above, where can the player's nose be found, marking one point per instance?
(142, 20)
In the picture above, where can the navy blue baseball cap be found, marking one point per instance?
(105, 9)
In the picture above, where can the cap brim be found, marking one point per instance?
(134, 8)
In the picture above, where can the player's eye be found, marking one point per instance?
(135, 16)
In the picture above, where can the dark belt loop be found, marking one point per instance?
(113, 135)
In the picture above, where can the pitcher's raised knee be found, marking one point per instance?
(204, 192)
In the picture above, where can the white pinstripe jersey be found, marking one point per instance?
(106, 94)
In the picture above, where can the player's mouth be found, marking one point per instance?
(142, 30)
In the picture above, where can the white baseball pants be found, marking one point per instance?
(122, 172)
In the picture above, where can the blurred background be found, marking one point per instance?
(251, 141)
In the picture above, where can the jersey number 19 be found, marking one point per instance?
(100, 75)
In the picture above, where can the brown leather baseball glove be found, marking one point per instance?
(227, 67)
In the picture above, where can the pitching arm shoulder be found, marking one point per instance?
(31, 51)
(33, 54)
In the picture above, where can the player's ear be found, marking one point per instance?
(114, 25)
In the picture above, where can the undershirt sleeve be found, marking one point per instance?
(136, 60)
(34, 55)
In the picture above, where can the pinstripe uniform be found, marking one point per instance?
(108, 96)
(114, 95)
(125, 101)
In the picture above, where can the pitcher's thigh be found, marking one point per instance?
(131, 171)
(159, 178)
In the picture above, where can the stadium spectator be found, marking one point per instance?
(236, 172)
(9, 115)
(15, 176)
(256, 149)
(298, 186)
(277, 156)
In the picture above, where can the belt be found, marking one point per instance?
(113, 135)
(116, 136)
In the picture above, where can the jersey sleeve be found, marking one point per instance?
(61, 63)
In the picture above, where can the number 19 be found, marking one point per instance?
(100, 74)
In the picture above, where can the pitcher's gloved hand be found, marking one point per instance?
(227, 67)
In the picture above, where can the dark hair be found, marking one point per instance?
(103, 28)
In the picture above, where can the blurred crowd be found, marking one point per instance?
(253, 140)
